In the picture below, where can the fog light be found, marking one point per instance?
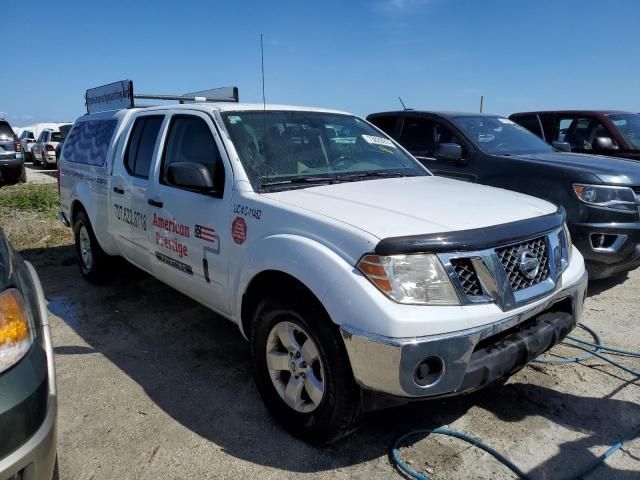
(429, 371)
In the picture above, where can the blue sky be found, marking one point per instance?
(353, 55)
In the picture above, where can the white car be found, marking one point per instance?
(355, 274)
(43, 151)
(30, 134)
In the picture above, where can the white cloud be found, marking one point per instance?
(398, 6)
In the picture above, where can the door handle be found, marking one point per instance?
(155, 203)
(118, 190)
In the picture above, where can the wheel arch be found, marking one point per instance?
(265, 281)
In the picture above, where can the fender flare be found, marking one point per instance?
(314, 265)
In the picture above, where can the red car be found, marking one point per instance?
(602, 132)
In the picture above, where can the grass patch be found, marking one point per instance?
(28, 216)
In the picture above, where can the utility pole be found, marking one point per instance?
(481, 102)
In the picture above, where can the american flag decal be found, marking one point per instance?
(206, 233)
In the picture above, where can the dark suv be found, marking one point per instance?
(601, 195)
(601, 132)
(11, 160)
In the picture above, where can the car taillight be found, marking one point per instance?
(16, 143)
(49, 148)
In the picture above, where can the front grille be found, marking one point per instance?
(466, 275)
(510, 259)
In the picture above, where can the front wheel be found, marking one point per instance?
(91, 257)
(302, 370)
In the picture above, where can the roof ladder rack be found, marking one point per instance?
(119, 95)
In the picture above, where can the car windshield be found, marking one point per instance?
(497, 135)
(628, 125)
(294, 149)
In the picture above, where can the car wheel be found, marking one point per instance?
(23, 174)
(302, 370)
(91, 258)
(34, 159)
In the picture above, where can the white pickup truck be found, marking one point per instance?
(360, 279)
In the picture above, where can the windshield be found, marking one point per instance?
(628, 125)
(290, 149)
(497, 135)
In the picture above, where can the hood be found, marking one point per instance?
(610, 170)
(416, 205)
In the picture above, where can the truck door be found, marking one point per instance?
(128, 209)
(188, 250)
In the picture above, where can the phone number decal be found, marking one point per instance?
(130, 217)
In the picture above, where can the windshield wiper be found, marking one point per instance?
(374, 174)
(296, 180)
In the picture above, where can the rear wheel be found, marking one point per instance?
(91, 257)
(302, 370)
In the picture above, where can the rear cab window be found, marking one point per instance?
(139, 153)
(531, 123)
(88, 142)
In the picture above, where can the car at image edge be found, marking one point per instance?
(12, 168)
(601, 132)
(28, 399)
(601, 195)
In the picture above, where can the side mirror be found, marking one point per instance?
(562, 146)
(448, 151)
(190, 175)
(603, 143)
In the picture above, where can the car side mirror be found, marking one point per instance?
(561, 146)
(448, 151)
(190, 175)
(603, 143)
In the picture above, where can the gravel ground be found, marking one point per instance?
(152, 385)
(36, 174)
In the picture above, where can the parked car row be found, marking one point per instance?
(39, 142)
(600, 195)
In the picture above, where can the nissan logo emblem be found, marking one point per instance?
(528, 264)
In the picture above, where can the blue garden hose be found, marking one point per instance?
(596, 349)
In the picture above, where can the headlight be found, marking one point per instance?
(617, 198)
(16, 332)
(566, 246)
(412, 279)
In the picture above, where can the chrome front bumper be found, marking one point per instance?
(388, 365)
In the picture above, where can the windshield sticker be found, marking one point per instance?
(233, 119)
(183, 267)
(505, 120)
(378, 141)
(239, 230)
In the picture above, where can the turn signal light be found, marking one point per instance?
(371, 266)
(16, 334)
(49, 148)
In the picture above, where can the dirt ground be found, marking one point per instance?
(152, 385)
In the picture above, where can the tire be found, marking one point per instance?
(23, 174)
(317, 418)
(34, 159)
(44, 160)
(91, 258)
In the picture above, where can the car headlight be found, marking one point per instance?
(566, 245)
(616, 198)
(418, 279)
(16, 331)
